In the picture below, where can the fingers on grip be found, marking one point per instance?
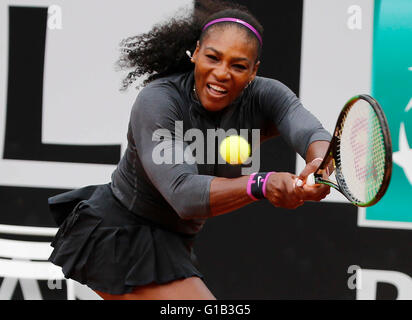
(310, 181)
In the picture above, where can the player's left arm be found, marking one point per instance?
(299, 128)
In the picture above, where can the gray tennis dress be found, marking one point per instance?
(140, 227)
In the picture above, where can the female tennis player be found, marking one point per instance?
(133, 237)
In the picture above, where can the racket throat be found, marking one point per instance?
(329, 158)
(326, 166)
(319, 179)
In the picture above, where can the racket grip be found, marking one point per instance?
(310, 180)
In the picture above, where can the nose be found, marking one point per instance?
(221, 72)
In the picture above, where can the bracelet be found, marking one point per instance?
(256, 186)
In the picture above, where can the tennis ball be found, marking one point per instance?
(235, 149)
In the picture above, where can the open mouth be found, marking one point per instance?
(216, 90)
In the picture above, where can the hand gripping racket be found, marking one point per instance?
(361, 153)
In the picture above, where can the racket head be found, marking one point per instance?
(362, 151)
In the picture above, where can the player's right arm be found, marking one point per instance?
(154, 117)
(227, 195)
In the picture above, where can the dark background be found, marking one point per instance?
(257, 252)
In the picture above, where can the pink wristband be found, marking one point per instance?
(266, 180)
(249, 186)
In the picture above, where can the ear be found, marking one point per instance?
(255, 70)
(196, 52)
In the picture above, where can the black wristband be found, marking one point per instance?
(256, 187)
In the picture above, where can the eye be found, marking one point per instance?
(239, 66)
(212, 57)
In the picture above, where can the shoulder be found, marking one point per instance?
(270, 87)
(162, 95)
(162, 102)
(170, 87)
(269, 94)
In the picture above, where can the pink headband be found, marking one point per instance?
(247, 25)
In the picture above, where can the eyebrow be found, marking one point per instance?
(235, 59)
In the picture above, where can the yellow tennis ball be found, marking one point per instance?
(235, 149)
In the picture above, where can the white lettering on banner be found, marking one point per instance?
(370, 279)
(29, 287)
(355, 20)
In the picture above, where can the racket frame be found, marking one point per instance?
(333, 153)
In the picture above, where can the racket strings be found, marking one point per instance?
(361, 153)
(340, 176)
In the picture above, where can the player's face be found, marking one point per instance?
(225, 62)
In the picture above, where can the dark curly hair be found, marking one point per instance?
(162, 50)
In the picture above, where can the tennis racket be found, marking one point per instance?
(361, 153)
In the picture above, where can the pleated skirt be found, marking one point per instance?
(101, 244)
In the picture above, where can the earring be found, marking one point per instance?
(190, 56)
